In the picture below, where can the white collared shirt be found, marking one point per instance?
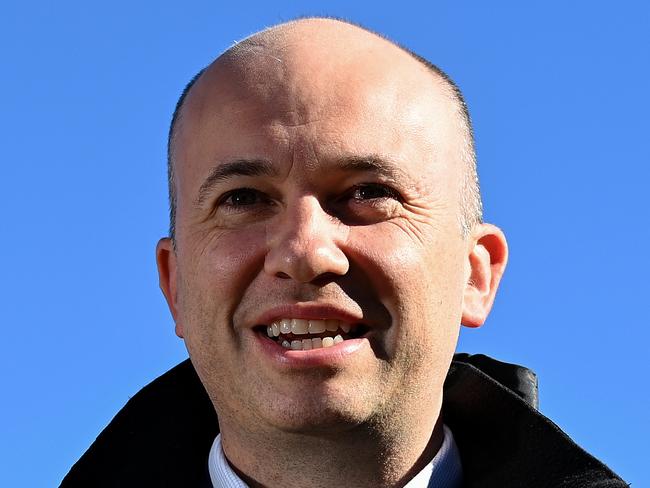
(444, 470)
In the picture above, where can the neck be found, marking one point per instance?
(386, 453)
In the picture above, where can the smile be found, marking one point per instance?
(303, 334)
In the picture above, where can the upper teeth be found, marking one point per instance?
(303, 326)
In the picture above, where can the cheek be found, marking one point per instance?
(411, 267)
(218, 269)
(225, 257)
(213, 276)
(419, 282)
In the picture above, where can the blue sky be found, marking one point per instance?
(559, 97)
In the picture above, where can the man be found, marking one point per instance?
(326, 244)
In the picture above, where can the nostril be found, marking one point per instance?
(325, 279)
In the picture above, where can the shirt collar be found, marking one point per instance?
(443, 471)
(221, 474)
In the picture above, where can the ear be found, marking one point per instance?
(166, 259)
(488, 255)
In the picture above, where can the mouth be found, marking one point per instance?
(303, 334)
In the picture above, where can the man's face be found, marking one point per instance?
(330, 197)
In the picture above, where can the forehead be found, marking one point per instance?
(310, 95)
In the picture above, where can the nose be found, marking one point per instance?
(303, 244)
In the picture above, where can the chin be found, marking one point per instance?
(319, 413)
(327, 421)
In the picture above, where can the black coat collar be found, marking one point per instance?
(163, 434)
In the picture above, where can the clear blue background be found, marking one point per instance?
(559, 96)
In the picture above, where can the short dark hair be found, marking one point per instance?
(170, 163)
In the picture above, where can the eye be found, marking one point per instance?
(372, 192)
(241, 198)
(367, 203)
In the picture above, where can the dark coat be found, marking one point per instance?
(162, 436)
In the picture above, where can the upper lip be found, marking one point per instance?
(313, 311)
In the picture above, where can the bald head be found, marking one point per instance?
(306, 68)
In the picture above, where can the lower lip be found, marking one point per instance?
(311, 358)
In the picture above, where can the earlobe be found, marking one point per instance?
(166, 260)
(487, 260)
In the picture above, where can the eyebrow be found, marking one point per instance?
(230, 169)
(379, 165)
